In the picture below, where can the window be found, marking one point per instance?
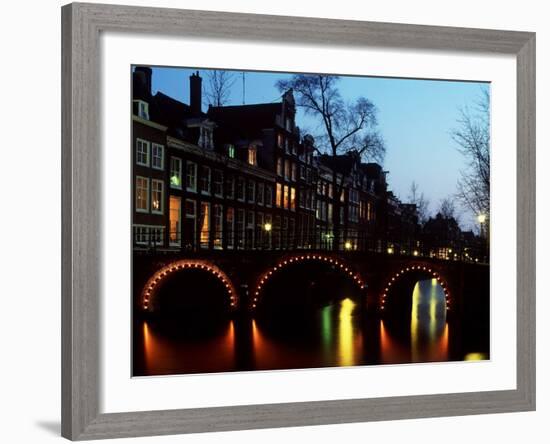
(280, 140)
(143, 109)
(230, 151)
(302, 172)
(175, 172)
(157, 157)
(191, 177)
(205, 138)
(284, 232)
(205, 225)
(142, 194)
(218, 183)
(285, 196)
(259, 230)
(252, 155)
(218, 227)
(250, 230)
(175, 221)
(190, 223)
(142, 152)
(240, 189)
(293, 172)
(151, 235)
(302, 198)
(288, 124)
(230, 227)
(239, 230)
(277, 232)
(229, 186)
(293, 199)
(279, 166)
(287, 169)
(268, 234)
(268, 195)
(330, 212)
(278, 195)
(260, 194)
(157, 196)
(251, 188)
(205, 179)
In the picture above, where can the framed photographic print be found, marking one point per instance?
(277, 221)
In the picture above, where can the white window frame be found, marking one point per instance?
(161, 157)
(220, 194)
(161, 182)
(148, 190)
(192, 188)
(217, 238)
(178, 161)
(209, 181)
(147, 153)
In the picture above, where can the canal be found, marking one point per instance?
(308, 324)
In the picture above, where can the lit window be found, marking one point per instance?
(217, 213)
(175, 173)
(293, 198)
(142, 194)
(175, 221)
(285, 196)
(191, 177)
(142, 152)
(278, 195)
(205, 179)
(230, 227)
(252, 155)
(231, 151)
(157, 161)
(189, 228)
(205, 225)
(157, 196)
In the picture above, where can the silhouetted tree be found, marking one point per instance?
(346, 127)
(416, 197)
(473, 139)
(219, 87)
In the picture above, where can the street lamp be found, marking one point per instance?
(267, 227)
(481, 218)
(347, 245)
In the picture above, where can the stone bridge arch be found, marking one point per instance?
(267, 274)
(149, 292)
(408, 274)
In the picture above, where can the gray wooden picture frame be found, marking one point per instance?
(81, 174)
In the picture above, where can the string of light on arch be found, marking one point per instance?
(149, 290)
(405, 270)
(301, 258)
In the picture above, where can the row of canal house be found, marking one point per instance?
(242, 177)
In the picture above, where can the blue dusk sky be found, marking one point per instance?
(415, 118)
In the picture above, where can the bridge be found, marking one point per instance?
(377, 277)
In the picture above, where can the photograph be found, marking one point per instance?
(307, 220)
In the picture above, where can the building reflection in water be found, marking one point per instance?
(334, 334)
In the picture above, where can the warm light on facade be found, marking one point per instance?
(390, 250)
(267, 227)
(347, 245)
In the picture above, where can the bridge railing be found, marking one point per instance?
(260, 239)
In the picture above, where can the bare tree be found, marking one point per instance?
(416, 197)
(473, 139)
(219, 87)
(346, 127)
(447, 209)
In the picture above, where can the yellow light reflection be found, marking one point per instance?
(476, 357)
(414, 323)
(345, 333)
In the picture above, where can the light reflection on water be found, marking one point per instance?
(337, 335)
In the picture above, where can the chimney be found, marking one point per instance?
(195, 92)
(142, 85)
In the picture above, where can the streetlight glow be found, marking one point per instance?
(267, 227)
(347, 245)
(481, 218)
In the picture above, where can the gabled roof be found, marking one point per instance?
(244, 121)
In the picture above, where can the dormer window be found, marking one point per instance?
(252, 155)
(230, 151)
(205, 140)
(142, 109)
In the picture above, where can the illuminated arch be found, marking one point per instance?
(416, 268)
(265, 277)
(150, 289)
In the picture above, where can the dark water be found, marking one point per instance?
(335, 331)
